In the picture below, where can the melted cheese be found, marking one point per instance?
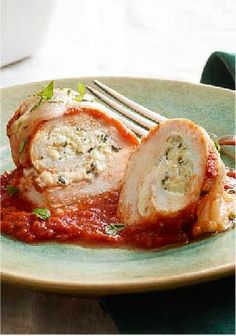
(49, 109)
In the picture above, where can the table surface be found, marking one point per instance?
(28, 312)
(151, 38)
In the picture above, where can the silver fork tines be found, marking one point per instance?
(138, 118)
(157, 118)
(129, 122)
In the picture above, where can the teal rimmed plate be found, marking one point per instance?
(91, 271)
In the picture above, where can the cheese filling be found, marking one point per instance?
(171, 174)
(179, 167)
(73, 153)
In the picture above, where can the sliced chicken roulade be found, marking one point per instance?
(67, 149)
(168, 174)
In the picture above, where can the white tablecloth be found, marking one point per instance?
(147, 38)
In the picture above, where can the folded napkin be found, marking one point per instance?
(207, 308)
(220, 70)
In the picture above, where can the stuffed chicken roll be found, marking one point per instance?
(172, 170)
(67, 149)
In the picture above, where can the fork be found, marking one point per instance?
(139, 118)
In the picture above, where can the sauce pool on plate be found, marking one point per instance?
(93, 223)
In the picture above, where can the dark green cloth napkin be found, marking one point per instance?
(201, 309)
(220, 70)
(207, 308)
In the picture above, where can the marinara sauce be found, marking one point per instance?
(86, 225)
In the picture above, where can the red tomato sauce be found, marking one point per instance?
(85, 225)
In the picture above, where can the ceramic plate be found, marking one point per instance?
(72, 268)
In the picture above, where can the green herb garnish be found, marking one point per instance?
(113, 229)
(47, 92)
(12, 190)
(81, 92)
(22, 145)
(42, 213)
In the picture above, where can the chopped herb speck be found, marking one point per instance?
(113, 229)
(115, 149)
(65, 144)
(104, 137)
(180, 160)
(12, 190)
(92, 168)
(61, 180)
(167, 152)
(164, 179)
(232, 216)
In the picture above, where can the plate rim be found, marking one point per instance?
(124, 287)
(91, 78)
(134, 286)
